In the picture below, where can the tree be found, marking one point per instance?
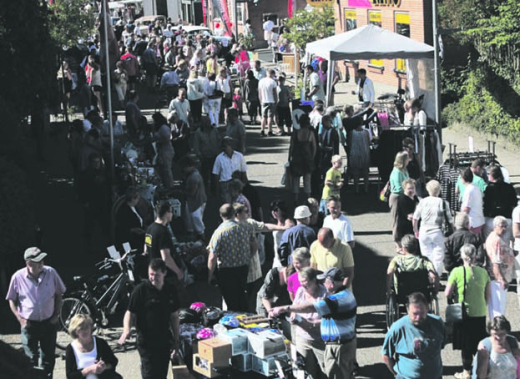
(306, 27)
(70, 20)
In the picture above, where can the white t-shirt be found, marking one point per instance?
(85, 359)
(266, 88)
(516, 219)
(315, 81)
(473, 199)
(341, 228)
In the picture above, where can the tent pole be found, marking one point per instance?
(437, 69)
(330, 76)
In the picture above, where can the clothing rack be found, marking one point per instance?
(464, 159)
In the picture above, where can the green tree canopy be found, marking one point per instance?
(70, 20)
(306, 27)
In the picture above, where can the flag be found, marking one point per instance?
(290, 8)
(221, 7)
(359, 3)
(204, 11)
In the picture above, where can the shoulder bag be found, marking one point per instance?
(455, 313)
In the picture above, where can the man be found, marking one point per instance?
(268, 26)
(365, 92)
(412, 346)
(477, 168)
(131, 65)
(259, 72)
(499, 200)
(338, 222)
(133, 114)
(323, 74)
(149, 62)
(153, 309)
(453, 243)
(34, 296)
(300, 235)
(338, 323)
(230, 250)
(226, 163)
(472, 202)
(327, 252)
(158, 240)
(170, 83)
(236, 130)
(195, 198)
(315, 85)
(181, 106)
(268, 96)
(501, 266)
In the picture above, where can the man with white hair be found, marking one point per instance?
(300, 235)
(501, 267)
(459, 238)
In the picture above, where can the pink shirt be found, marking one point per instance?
(293, 283)
(35, 298)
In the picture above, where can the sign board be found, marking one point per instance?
(320, 3)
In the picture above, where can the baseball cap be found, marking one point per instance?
(301, 212)
(333, 273)
(34, 254)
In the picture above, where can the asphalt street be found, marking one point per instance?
(265, 159)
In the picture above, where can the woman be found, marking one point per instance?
(206, 144)
(120, 83)
(301, 258)
(274, 290)
(225, 85)
(251, 96)
(359, 157)
(235, 189)
(214, 99)
(409, 260)
(497, 355)
(65, 74)
(307, 334)
(163, 138)
(195, 95)
(301, 156)
(129, 223)
(243, 62)
(95, 82)
(414, 115)
(212, 64)
(471, 286)
(398, 175)
(88, 356)
(180, 56)
(406, 204)
(281, 215)
(432, 211)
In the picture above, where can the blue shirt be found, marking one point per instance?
(300, 235)
(338, 316)
(416, 351)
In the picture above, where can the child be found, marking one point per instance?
(333, 182)
(238, 102)
(283, 111)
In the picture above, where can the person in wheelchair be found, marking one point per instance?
(410, 261)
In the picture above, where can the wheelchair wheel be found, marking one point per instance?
(392, 310)
(434, 306)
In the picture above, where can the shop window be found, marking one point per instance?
(241, 13)
(350, 20)
(402, 27)
(374, 18)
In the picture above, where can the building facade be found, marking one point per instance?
(411, 18)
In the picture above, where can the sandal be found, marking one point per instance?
(462, 375)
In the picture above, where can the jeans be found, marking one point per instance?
(432, 247)
(213, 110)
(193, 220)
(44, 334)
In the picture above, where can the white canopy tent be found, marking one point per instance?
(373, 42)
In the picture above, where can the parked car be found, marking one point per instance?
(194, 30)
(143, 22)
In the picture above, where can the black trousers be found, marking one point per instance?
(155, 358)
(233, 283)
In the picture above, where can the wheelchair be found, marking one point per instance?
(409, 282)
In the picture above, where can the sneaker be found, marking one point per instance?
(262, 134)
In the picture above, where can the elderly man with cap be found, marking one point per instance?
(225, 165)
(338, 323)
(34, 297)
(327, 252)
(300, 235)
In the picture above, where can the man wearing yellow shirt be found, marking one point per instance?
(327, 252)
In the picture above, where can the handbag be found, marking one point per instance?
(456, 313)
(287, 177)
(384, 195)
(447, 227)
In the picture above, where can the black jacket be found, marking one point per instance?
(103, 352)
(453, 244)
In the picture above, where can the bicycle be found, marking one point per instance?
(100, 294)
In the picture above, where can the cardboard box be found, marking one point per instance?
(266, 344)
(181, 372)
(267, 367)
(204, 367)
(243, 362)
(239, 340)
(216, 351)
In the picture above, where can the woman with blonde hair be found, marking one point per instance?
(398, 175)
(469, 284)
(432, 211)
(88, 356)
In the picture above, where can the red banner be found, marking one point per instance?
(204, 11)
(221, 7)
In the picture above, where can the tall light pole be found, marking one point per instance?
(436, 65)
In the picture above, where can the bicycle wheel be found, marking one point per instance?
(392, 310)
(434, 306)
(70, 307)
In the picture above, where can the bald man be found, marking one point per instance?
(327, 252)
